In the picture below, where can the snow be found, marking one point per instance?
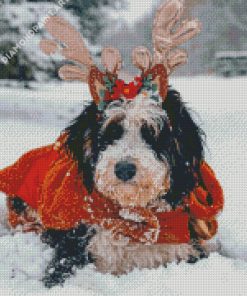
(230, 54)
(127, 215)
(28, 105)
(30, 118)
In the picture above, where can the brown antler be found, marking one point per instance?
(70, 72)
(69, 42)
(111, 59)
(142, 58)
(71, 45)
(169, 32)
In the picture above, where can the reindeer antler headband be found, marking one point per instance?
(168, 33)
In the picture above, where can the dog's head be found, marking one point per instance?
(135, 151)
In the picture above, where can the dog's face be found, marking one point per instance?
(128, 169)
(136, 151)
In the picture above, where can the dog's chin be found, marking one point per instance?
(130, 194)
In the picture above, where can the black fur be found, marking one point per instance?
(70, 251)
(202, 254)
(17, 205)
(181, 142)
(82, 136)
(86, 140)
(186, 151)
(113, 132)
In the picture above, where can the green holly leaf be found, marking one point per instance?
(150, 77)
(155, 98)
(144, 88)
(102, 93)
(154, 87)
(106, 79)
(147, 83)
(101, 105)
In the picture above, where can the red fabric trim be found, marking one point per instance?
(159, 71)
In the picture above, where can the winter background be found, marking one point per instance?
(35, 106)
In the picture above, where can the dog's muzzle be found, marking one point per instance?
(125, 170)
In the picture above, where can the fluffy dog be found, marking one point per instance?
(146, 159)
(137, 159)
(126, 186)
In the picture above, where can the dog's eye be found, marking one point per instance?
(113, 132)
(148, 134)
(160, 143)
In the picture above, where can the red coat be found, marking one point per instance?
(47, 180)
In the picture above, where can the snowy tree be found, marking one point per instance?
(235, 11)
(20, 57)
(231, 24)
(93, 15)
(18, 17)
(224, 29)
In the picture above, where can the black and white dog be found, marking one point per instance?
(127, 151)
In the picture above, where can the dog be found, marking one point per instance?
(126, 153)
(136, 145)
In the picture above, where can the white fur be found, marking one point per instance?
(120, 257)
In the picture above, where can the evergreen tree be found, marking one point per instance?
(92, 14)
(17, 17)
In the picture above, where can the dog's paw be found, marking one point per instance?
(57, 272)
(70, 252)
(199, 253)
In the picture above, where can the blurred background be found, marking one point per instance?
(220, 49)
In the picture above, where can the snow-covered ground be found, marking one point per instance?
(29, 118)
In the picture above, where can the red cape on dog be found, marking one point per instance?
(47, 180)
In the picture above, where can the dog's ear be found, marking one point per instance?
(187, 145)
(188, 134)
(82, 142)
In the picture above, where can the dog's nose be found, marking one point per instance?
(125, 170)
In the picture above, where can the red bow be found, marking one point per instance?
(122, 89)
